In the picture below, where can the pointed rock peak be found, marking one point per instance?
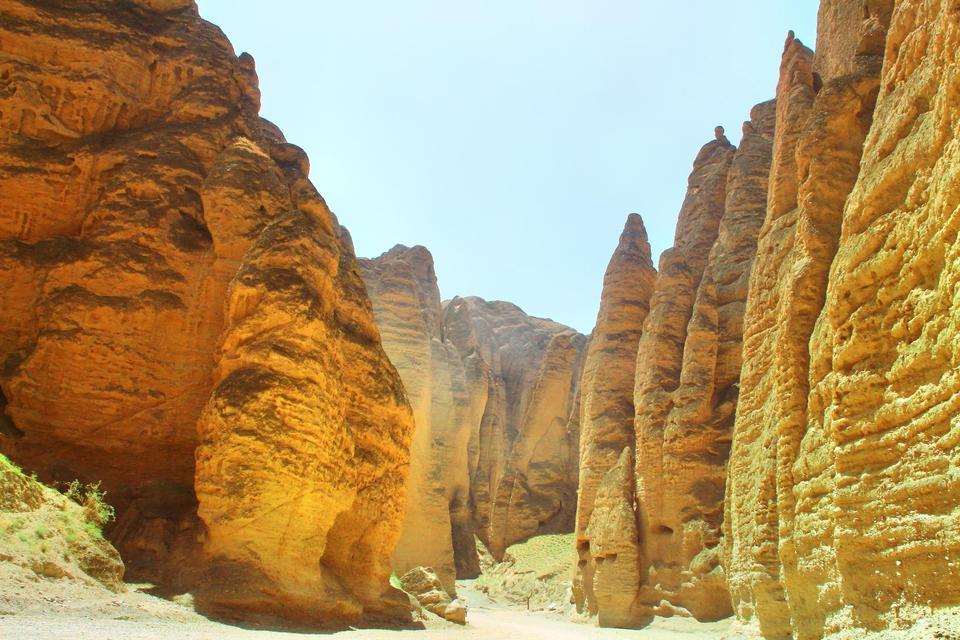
(634, 240)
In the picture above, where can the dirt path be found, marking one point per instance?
(138, 616)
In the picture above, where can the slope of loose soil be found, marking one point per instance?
(45, 536)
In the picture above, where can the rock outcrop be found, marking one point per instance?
(185, 319)
(606, 407)
(780, 547)
(492, 390)
(614, 547)
(424, 585)
(521, 484)
(665, 560)
(660, 361)
(843, 509)
(447, 395)
(683, 525)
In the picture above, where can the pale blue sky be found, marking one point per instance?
(510, 137)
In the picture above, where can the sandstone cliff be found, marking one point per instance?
(684, 365)
(660, 360)
(606, 425)
(781, 558)
(859, 525)
(522, 455)
(185, 319)
(492, 390)
(447, 395)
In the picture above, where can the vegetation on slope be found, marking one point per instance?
(54, 534)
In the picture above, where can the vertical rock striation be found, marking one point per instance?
(781, 556)
(186, 321)
(606, 425)
(403, 287)
(696, 439)
(493, 391)
(660, 359)
(521, 484)
(875, 479)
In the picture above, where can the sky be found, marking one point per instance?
(510, 137)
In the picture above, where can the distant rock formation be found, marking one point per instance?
(493, 390)
(184, 319)
(447, 394)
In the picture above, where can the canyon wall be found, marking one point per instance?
(447, 395)
(606, 430)
(523, 455)
(184, 318)
(796, 388)
(492, 390)
(661, 379)
(841, 506)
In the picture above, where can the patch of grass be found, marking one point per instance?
(7, 465)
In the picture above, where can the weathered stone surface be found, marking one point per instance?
(168, 254)
(493, 392)
(606, 425)
(403, 287)
(424, 585)
(780, 557)
(614, 547)
(531, 385)
(537, 493)
(696, 439)
(751, 554)
(660, 357)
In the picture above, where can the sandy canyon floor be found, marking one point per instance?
(65, 610)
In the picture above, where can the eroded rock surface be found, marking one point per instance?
(424, 585)
(447, 395)
(172, 266)
(493, 391)
(521, 484)
(606, 403)
(660, 360)
(781, 556)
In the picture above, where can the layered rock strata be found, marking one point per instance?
(780, 538)
(493, 390)
(521, 484)
(607, 412)
(185, 320)
(447, 395)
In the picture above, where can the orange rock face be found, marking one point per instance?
(606, 425)
(660, 453)
(492, 390)
(447, 395)
(177, 281)
(779, 544)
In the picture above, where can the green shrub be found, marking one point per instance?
(96, 510)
